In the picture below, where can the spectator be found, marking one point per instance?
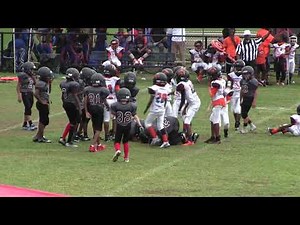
(178, 44)
(139, 50)
(101, 39)
(291, 58)
(122, 36)
(230, 43)
(20, 51)
(114, 55)
(281, 52)
(159, 39)
(196, 58)
(262, 62)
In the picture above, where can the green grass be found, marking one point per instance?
(254, 164)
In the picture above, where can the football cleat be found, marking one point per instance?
(116, 156)
(92, 148)
(252, 127)
(188, 143)
(71, 145)
(165, 145)
(100, 147)
(269, 130)
(195, 137)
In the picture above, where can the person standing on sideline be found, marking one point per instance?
(247, 50)
(262, 61)
(230, 43)
(249, 85)
(125, 111)
(291, 58)
(42, 94)
(178, 43)
(25, 86)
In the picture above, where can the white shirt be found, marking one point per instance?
(178, 31)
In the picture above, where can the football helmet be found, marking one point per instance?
(160, 79)
(238, 66)
(298, 110)
(97, 80)
(45, 74)
(72, 73)
(123, 95)
(85, 74)
(169, 72)
(28, 67)
(214, 72)
(109, 70)
(247, 72)
(182, 75)
(293, 39)
(130, 80)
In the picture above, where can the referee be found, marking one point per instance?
(248, 48)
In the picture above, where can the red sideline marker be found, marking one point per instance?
(12, 191)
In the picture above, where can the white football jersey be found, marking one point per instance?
(160, 98)
(110, 85)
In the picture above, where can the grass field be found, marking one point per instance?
(253, 164)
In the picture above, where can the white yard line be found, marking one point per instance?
(167, 165)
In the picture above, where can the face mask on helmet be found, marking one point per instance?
(123, 95)
(72, 73)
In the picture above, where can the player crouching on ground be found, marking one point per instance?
(125, 111)
(293, 127)
(172, 127)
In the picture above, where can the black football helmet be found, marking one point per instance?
(160, 79)
(238, 66)
(45, 74)
(247, 72)
(85, 74)
(109, 70)
(97, 80)
(123, 95)
(169, 72)
(298, 110)
(213, 72)
(182, 75)
(28, 68)
(130, 80)
(72, 73)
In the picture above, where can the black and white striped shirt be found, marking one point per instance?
(248, 50)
